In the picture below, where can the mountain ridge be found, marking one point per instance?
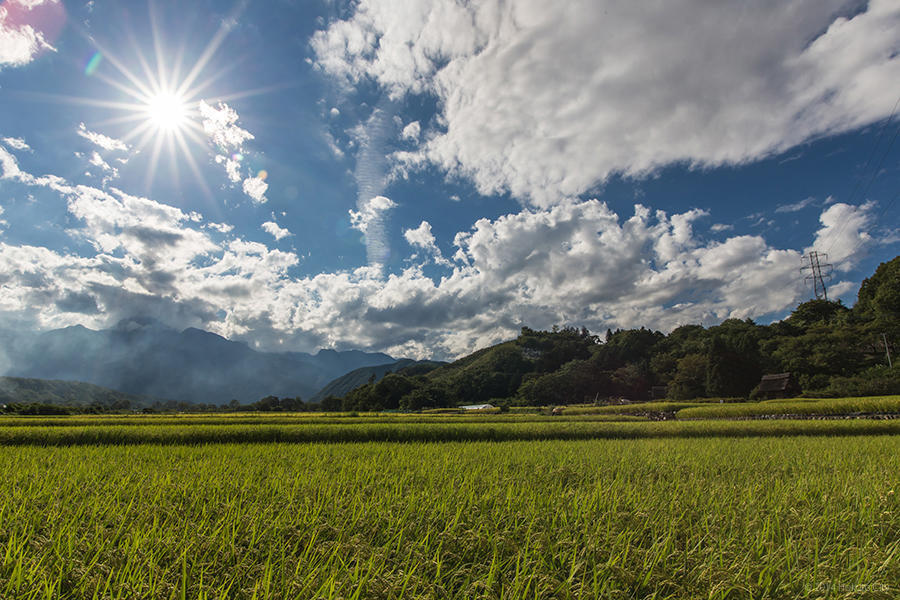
(143, 356)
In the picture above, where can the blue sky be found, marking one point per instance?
(424, 177)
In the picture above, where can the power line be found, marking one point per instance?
(877, 220)
(835, 235)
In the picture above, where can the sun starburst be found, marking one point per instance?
(159, 99)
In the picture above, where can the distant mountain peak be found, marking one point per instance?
(138, 322)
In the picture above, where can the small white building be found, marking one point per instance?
(476, 406)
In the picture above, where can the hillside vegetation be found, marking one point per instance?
(830, 349)
(42, 396)
(338, 388)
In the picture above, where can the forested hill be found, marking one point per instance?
(26, 395)
(339, 387)
(829, 348)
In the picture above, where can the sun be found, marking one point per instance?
(156, 94)
(167, 111)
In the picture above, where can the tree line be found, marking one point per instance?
(830, 349)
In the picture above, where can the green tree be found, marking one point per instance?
(690, 378)
(879, 295)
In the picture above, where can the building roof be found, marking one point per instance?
(476, 406)
(776, 382)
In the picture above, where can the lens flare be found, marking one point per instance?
(93, 63)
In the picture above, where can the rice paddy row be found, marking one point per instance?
(796, 407)
(414, 432)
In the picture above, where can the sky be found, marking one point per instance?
(426, 177)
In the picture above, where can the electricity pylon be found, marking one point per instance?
(819, 271)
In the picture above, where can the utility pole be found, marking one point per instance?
(887, 350)
(819, 271)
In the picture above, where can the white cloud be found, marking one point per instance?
(411, 131)
(370, 220)
(719, 227)
(256, 187)
(10, 168)
(371, 213)
(272, 228)
(16, 143)
(796, 206)
(546, 103)
(30, 4)
(98, 139)
(232, 167)
(333, 145)
(220, 124)
(577, 262)
(220, 227)
(98, 161)
(421, 237)
(20, 43)
(334, 112)
(844, 233)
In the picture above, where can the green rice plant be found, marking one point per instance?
(629, 409)
(790, 517)
(549, 429)
(281, 419)
(804, 407)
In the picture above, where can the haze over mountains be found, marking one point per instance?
(145, 357)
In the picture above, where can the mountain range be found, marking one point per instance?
(144, 357)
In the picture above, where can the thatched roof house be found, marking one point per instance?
(778, 385)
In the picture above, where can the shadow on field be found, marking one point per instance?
(192, 434)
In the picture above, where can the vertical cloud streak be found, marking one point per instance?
(371, 180)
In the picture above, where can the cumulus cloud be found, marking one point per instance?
(16, 143)
(720, 227)
(411, 131)
(232, 167)
(220, 125)
(220, 227)
(577, 262)
(256, 187)
(97, 161)
(20, 42)
(370, 220)
(421, 237)
(545, 103)
(98, 139)
(273, 229)
(371, 214)
(844, 233)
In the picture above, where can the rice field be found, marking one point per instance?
(447, 507)
(551, 428)
(798, 407)
(777, 517)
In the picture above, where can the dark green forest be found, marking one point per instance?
(830, 349)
